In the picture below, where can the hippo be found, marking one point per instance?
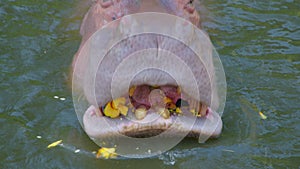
(152, 91)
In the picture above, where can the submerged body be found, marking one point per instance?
(150, 89)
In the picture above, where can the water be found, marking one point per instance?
(259, 45)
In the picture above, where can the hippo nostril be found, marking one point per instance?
(106, 3)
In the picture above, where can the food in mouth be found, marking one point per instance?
(148, 111)
(164, 100)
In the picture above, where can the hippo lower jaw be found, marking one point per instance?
(96, 126)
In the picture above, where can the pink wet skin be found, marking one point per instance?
(104, 11)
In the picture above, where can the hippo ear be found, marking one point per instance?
(190, 6)
(93, 20)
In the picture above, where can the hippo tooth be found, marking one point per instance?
(140, 113)
(165, 113)
(203, 109)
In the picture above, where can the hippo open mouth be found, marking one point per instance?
(154, 102)
(149, 111)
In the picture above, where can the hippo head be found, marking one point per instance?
(142, 100)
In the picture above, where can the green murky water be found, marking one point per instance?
(258, 42)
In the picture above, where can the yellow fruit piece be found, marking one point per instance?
(110, 111)
(167, 100)
(179, 90)
(178, 110)
(262, 116)
(106, 153)
(119, 101)
(169, 103)
(131, 90)
(116, 107)
(172, 106)
(193, 111)
(123, 110)
(120, 105)
(54, 144)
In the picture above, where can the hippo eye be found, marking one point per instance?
(113, 18)
(190, 7)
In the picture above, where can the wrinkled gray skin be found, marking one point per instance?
(100, 14)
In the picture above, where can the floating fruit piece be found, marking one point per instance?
(140, 113)
(262, 116)
(106, 153)
(54, 144)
